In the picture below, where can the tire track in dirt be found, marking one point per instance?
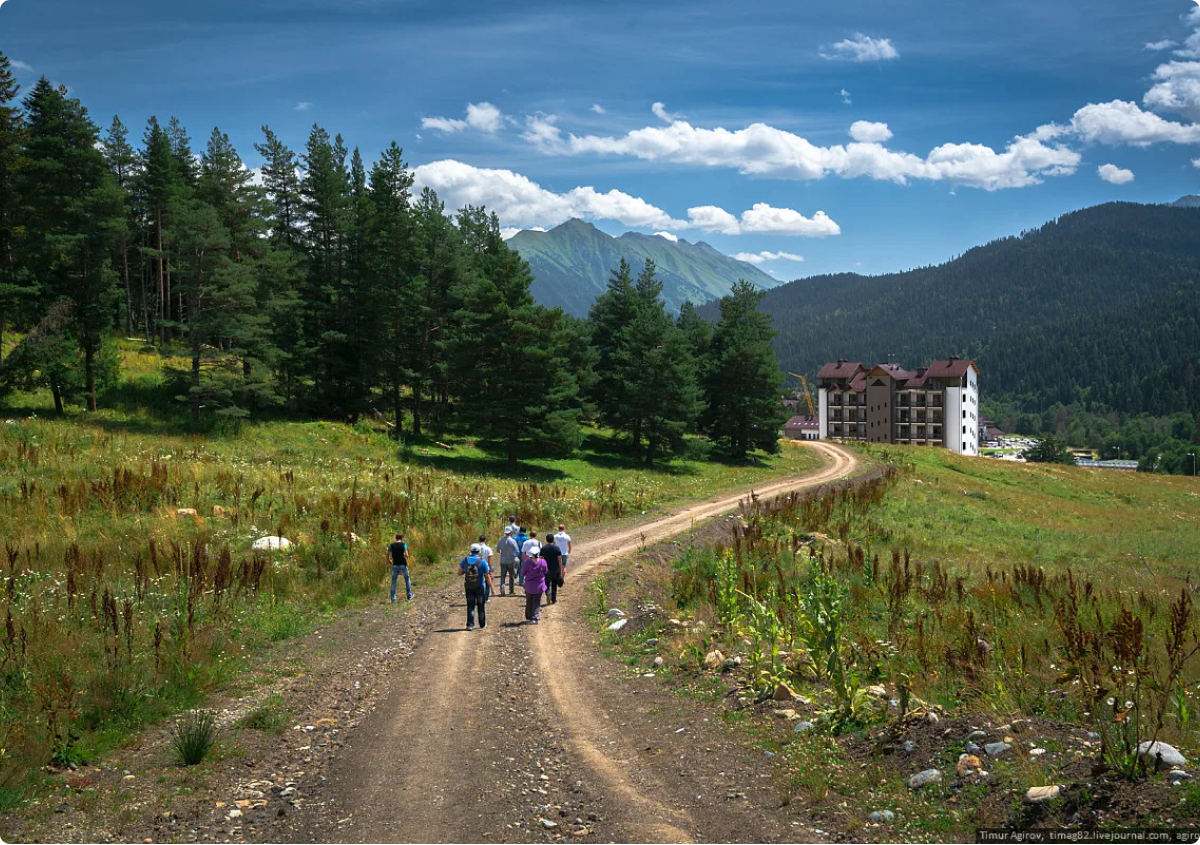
(590, 732)
(485, 733)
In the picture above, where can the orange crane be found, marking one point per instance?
(812, 411)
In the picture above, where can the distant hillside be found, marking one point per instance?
(1102, 303)
(572, 263)
(1190, 201)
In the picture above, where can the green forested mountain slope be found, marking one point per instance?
(572, 262)
(1102, 304)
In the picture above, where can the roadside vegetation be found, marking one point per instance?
(130, 586)
(883, 623)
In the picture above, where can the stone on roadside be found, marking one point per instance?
(1176, 775)
(974, 735)
(272, 544)
(996, 749)
(968, 763)
(783, 693)
(785, 714)
(618, 625)
(1162, 755)
(972, 748)
(615, 612)
(713, 659)
(882, 817)
(1038, 794)
(658, 661)
(932, 718)
(924, 778)
(549, 825)
(803, 727)
(909, 746)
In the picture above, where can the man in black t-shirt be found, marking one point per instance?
(398, 553)
(554, 574)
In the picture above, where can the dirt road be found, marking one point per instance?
(522, 733)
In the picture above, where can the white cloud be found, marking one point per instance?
(668, 236)
(541, 131)
(845, 96)
(861, 48)
(763, 219)
(868, 132)
(507, 232)
(765, 151)
(598, 109)
(1120, 122)
(1115, 175)
(1196, 163)
(1165, 44)
(481, 116)
(20, 65)
(1177, 91)
(519, 201)
(303, 105)
(660, 111)
(760, 257)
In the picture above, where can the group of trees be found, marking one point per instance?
(327, 288)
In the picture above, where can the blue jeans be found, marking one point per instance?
(476, 601)
(397, 571)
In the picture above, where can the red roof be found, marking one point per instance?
(840, 370)
(953, 368)
(806, 421)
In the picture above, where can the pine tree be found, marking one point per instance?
(70, 210)
(12, 287)
(283, 188)
(159, 189)
(394, 296)
(742, 390)
(610, 313)
(122, 161)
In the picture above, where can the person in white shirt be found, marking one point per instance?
(563, 540)
(485, 552)
(529, 544)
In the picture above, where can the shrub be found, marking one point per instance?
(194, 736)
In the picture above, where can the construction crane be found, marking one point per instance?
(812, 411)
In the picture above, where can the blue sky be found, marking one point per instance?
(866, 137)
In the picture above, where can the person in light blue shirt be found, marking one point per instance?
(477, 583)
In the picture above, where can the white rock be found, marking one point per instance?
(803, 727)
(272, 543)
(1036, 752)
(549, 825)
(1038, 794)
(1178, 775)
(1162, 755)
(882, 816)
(996, 749)
(618, 625)
(613, 611)
(924, 778)
(932, 718)
(658, 661)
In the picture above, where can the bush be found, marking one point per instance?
(194, 736)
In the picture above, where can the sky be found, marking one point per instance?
(806, 136)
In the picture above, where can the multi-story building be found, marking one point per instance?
(936, 405)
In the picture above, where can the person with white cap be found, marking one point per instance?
(534, 570)
(485, 551)
(510, 560)
(477, 583)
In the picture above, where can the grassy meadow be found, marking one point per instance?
(990, 594)
(130, 586)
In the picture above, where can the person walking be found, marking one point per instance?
(398, 554)
(485, 551)
(553, 558)
(530, 543)
(563, 540)
(522, 538)
(510, 560)
(477, 581)
(533, 570)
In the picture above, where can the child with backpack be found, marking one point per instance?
(477, 583)
(533, 571)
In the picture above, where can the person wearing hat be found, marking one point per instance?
(477, 583)
(485, 551)
(533, 570)
(510, 560)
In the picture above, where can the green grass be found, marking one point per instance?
(118, 612)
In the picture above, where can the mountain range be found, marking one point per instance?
(1101, 304)
(572, 263)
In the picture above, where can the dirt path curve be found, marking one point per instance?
(501, 735)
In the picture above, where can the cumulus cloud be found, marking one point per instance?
(598, 109)
(668, 236)
(660, 111)
(845, 96)
(766, 151)
(760, 257)
(519, 201)
(870, 133)
(303, 105)
(1165, 44)
(1115, 175)
(483, 117)
(1120, 122)
(861, 48)
(763, 219)
(1177, 89)
(507, 232)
